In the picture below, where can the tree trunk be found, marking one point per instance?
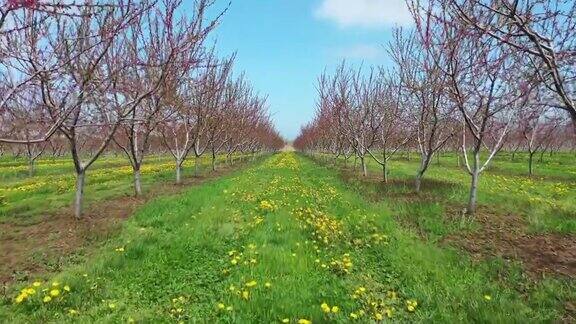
(196, 167)
(178, 172)
(137, 183)
(384, 172)
(364, 170)
(31, 167)
(418, 183)
(530, 161)
(80, 179)
(542, 156)
(213, 160)
(473, 193)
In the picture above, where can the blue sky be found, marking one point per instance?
(283, 45)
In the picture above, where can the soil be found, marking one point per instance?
(499, 234)
(506, 235)
(33, 249)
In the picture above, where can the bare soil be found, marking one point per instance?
(499, 235)
(506, 235)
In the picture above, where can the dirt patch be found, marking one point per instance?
(32, 249)
(506, 235)
(499, 234)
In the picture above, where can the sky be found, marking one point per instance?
(284, 45)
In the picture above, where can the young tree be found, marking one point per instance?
(542, 32)
(158, 44)
(418, 65)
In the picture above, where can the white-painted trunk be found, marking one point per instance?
(137, 183)
(178, 172)
(80, 180)
(473, 193)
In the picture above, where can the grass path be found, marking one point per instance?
(284, 241)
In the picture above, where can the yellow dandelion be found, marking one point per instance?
(251, 284)
(353, 316)
(37, 284)
(54, 292)
(20, 298)
(47, 299)
(335, 309)
(488, 297)
(221, 306)
(245, 294)
(67, 288)
(267, 285)
(286, 320)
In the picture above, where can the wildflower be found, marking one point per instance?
(55, 284)
(335, 309)
(30, 291)
(234, 261)
(120, 249)
(72, 312)
(20, 298)
(54, 292)
(325, 308)
(286, 320)
(47, 299)
(251, 284)
(488, 297)
(221, 306)
(388, 312)
(304, 321)
(353, 316)
(378, 316)
(267, 285)
(245, 294)
(37, 284)
(112, 305)
(411, 305)
(67, 288)
(229, 308)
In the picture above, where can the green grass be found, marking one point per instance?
(311, 237)
(23, 198)
(547, 200)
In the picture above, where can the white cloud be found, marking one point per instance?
(365, 13)
(361, 51)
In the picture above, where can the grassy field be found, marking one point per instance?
(285, 241)
(52, 187)
(547, 200)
